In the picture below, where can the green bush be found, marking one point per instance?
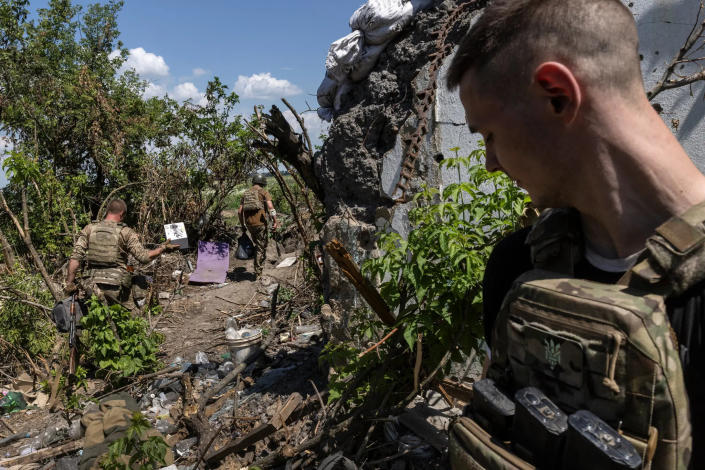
(23, 325)
(433, 279)
(135, 351)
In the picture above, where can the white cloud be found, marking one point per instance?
(315, 126)
(198, 71)
(145, 63)
(264, 86)
(153, 90)
(187, 90)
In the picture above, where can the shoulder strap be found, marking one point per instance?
(674, 259)
(556, 241)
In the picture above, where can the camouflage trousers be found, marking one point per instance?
(110, 295)
(260, 238)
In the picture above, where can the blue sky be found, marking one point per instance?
(269, 48)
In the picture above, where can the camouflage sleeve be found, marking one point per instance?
(81, 245)
(133, 245)
(267, 196)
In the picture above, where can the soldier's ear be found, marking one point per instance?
(560, 89)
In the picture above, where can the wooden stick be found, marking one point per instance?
(43, 454)
(378, 344)
(417, 365)
(348, 266)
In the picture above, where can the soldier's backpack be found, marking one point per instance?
(608, 349)
(252, 200)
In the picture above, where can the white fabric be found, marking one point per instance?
(344, 87)
(354, 56)
(611, 265)
(367, 61)
(342, 54)
(381, 20)
(326, 92)
(325, 113)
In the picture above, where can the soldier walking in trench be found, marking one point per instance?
(104, 247)
(256, 203)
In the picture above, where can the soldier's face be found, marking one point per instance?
(518, 140)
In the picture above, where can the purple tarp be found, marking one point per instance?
(213, 262)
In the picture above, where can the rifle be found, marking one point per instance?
(73, 347)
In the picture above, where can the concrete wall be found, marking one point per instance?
(663, 26)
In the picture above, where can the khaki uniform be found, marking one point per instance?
(103, 247)
(256, 222)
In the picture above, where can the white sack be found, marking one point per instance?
(382, 20)
(362, 68)
(325, 113)
(326, 92)
(342, 54)
(343, 88)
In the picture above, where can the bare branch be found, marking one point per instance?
(666, 82)
(301, 123)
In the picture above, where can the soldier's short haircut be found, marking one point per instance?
(116, 206)
(596, 38)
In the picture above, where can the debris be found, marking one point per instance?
(13, 438)
(12, 401)
(284, 337)
(337, 461)
(183, 447)
(164, 295)
(166, 426)
(176, 274)
(287, 262)
(201, 358)
(67, 463)
(271, 288)
(43, 454)
(260, 432)
(415, 447)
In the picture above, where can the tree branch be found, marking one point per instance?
(666, 82)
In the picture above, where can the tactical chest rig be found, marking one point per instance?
(104, 256)
(596, 351)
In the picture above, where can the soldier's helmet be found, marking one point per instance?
(259, 179)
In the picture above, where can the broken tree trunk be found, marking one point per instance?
(290, 147)
(345, 262)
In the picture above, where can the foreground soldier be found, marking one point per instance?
(104, 247)
(555, 89)
(252, 214)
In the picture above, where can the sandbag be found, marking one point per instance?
(245, 247)
(342, 54)
(61, 314)
(381, 20)
(325, 113)
(326, 91)
(344, 87)
(367, 61)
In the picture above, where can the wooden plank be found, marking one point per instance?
(285, 411)
(260, 432)
(351, 270)
(43, 454)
